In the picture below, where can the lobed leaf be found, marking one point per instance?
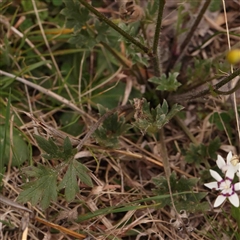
(42, 189)
(151, 120)
(165, 83)
(69, 181)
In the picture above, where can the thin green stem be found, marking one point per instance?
(234, 89)
(228, 79)
(200, 93)
(158, 26)
(156, 65)
(116, 28)
(156, 60)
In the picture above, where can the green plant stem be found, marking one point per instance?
(230, 91)
(116, 28)
(195, 93)
(228, 79)
(158, 26)
(156, 64)
(156, 60)
(191, 32)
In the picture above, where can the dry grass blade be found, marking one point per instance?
(69, 70)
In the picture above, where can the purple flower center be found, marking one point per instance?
(227, 187)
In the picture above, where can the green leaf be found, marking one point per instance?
(164, 107)
(235, 213)
(47, 146)
(82, 173)
(165, 83)
(57, 2)
(19, 147)
(70, 183)
(196, 154)
(174, 110)
(42, 189)
(32, 67)
(112, 128)
(213, 147)
(67, 148)
(215, 5)
(55, 152)
(218, 119)
(75, 15)
(151, 120)
(77, 18)
(83, 39)
(152, 7)
(188, 201)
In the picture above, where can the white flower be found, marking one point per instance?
(228, 189)
(232, 164)
(238, 172)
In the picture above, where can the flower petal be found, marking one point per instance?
(220, 162)
(212, 185)
(220, 199)
(230, 173)
(238, 167)
(234, 200)
(229, 157)
(237, 186)
(215, 175)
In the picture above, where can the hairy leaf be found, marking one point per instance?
(42, 189)
(189, 201)
(70, 183)
(165, 83)
(112, 128)
(151, 120)
(53, 151)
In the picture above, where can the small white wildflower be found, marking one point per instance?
(232, 164)
(227, 188)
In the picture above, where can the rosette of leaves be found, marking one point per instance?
(151, 120)
(111, 129)
(165, 83)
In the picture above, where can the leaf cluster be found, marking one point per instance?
(151, 120)
(78, 18)
(165, 83)
(112, 128)
(90, 31)
(43, 185)
(189, 201)
(198, 154)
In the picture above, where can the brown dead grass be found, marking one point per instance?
(124, 175)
